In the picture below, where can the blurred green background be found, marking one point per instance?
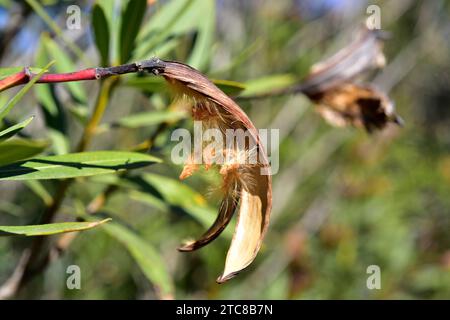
(343, 199)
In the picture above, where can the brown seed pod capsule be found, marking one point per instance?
(246, 184)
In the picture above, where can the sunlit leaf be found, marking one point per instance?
(75, 165)
(49, 229)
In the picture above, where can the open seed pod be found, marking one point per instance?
(340, 99)
(244, 166)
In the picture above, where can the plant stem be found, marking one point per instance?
(26, 75)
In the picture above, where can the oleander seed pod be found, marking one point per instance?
(246, 184)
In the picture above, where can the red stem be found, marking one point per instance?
(87, 74)
(14, 80)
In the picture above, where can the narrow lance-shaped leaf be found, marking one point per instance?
(49, 229)
(75, 165)
(101, 33)
(131, 22)
(9, 132)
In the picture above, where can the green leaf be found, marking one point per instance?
(9, 132)
(64, 64)
(131, 22)
(108, 9)
(268, 83)
(147, 258)
(7, 108)
(101, 33)
(19, 149)
(49, 229)
(112, 11)
(75, 165)
(145, 119)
